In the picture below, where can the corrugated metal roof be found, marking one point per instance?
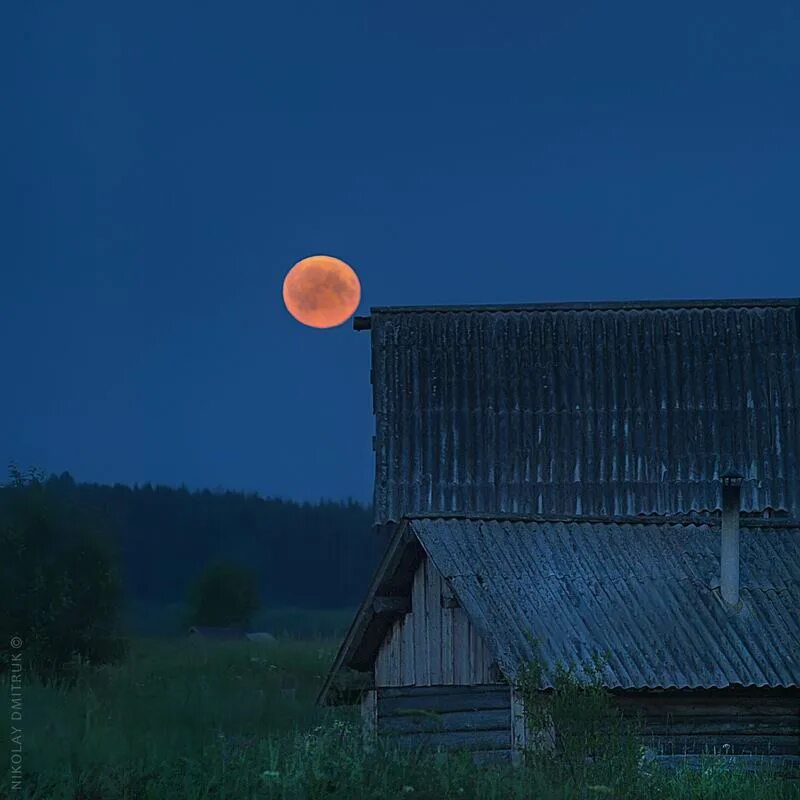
(588, 409)
(641, 590)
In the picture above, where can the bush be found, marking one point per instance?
(225, 594)
(57, 581)
(577, 735)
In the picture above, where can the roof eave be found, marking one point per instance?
(392, 577)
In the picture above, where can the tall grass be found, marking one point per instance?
(237, 722)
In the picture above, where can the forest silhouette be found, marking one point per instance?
(161, 539)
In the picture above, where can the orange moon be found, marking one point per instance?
(321, 291)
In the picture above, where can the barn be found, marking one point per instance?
(618, 477)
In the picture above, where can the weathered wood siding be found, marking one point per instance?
(475, 718)
(749, 722)
(369, 714)
(433, 645)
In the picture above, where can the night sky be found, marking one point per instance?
(165, 164)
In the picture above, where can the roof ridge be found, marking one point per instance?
(643, 519)
(699, 518)
(600, 305)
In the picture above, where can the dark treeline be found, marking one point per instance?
(309, 555)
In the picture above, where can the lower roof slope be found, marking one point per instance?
(642, 591)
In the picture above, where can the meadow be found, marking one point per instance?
(237, 721)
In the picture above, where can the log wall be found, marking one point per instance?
(475, 718)
(748, 722)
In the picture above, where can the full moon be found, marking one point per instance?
(321, 291)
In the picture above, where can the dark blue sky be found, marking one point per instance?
(165, 164)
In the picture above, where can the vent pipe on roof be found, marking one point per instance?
(729, 550)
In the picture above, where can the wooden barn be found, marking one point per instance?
(622, 478)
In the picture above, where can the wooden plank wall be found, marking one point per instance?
(432, 645)
(475, 718)
(369, 715)
(750, 722)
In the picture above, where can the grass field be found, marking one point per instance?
(237, 721)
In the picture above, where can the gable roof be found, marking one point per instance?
(643, 589)
(604, 408)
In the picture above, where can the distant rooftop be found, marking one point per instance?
(216, 633)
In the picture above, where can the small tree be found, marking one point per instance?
(225, 594)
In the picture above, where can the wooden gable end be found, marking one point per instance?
(434, 644)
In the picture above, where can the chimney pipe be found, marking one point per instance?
(729, 550)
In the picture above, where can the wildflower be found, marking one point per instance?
(344, 729)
